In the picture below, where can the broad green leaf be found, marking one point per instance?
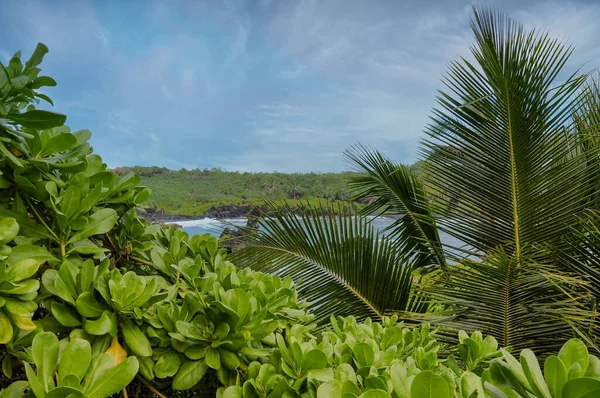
(314, 359)
(99, 326)
(114, 379)
(6, 329)
(22, 270)
(331, 389)
(555, 374)
(34, 382)
(75, 359)
(44, 351)
(213, 359)
(70, 202)
(189, 374)
(88, 306)
(37, 56)
(22, 252)
(16, 389)
(9, 228)
(531, 368)
(429, 385)
(168, 364)
(363, 355)
(572, 352)
(64, 391)
(100, 222)
(375, 394)
(593, 369)
(59, 143)
(582, 387)
(19, 82)
(135, 339)
(470, 385)
(67, 316)
(39, 119)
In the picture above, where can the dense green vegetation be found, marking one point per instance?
(97, 302)
(193, 192)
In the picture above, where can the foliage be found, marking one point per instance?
(511, 164)
(341, 261)
(387, 360)
(203, 189)
(82, 276)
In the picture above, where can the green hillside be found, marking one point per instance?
(194, 192)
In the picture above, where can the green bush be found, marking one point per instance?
(93, 297)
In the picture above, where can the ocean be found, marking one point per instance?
(214, 227)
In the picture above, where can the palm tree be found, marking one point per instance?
(272, 187)
(511, 174)
(193, 194)
(294, 190)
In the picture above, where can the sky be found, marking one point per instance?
(261, 85)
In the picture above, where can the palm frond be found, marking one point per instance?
(343, 266)
(497, 144)
(395, 191)
(521, 303)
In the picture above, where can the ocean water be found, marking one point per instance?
(214, 227)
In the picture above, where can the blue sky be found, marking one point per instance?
(260, 85)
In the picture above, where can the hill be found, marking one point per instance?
(218, 193)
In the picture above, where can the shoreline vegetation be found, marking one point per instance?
(214, 193)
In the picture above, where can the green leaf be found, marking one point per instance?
(136, 340)
(100, 222)
(470, 384)
(41, 82)
(314, 359)
(44, 351)
(429, 385)
(21, 252)
(88, 306)
(16, 390)
(168, 364)
(75, 359)
(114, 380)
(572, 352)
(9, 228)
(213, 359)
(582, 387)
(59, 143)
(34, 383)
(65, 315)
(37, 57)
(22, 270)
(555, 374)
(64, 391)
(6, 329)
(39, 119)
(331, 389)
(531, 367)
(19, 82)
(189, 374)
(363, 355)
(100, 326)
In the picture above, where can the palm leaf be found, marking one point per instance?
(343, 266)
(396, 191)
(512, 176)
(497, 144)
(533, 306)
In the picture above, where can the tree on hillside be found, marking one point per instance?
(193, 195)
(271, 187)
(294, 189)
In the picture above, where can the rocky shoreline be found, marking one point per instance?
(220, 212)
